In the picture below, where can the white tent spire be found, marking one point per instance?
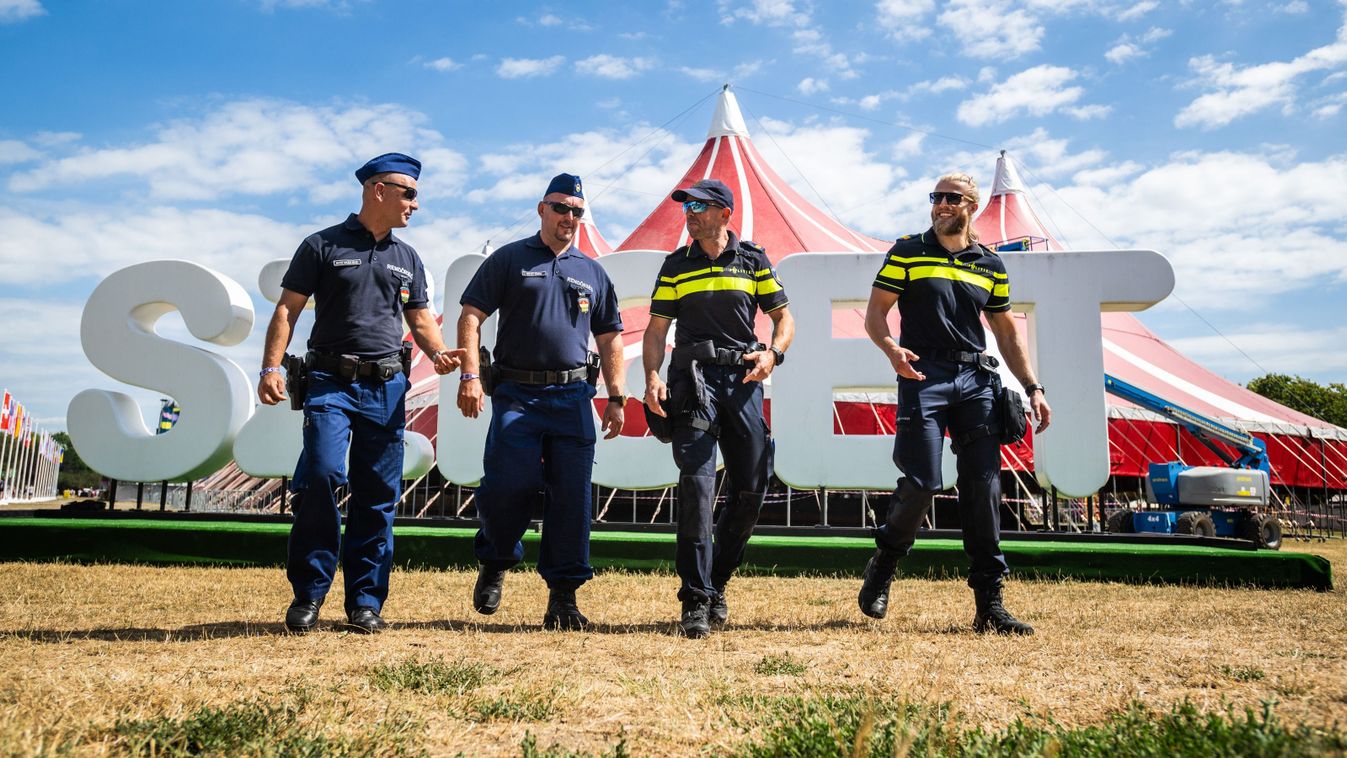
(729, 120)
(1006, 181)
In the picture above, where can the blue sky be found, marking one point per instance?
(223, 132)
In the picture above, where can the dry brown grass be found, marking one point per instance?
(84, 646)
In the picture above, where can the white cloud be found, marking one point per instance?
(810, 85)
(1087, 112)
(1239, 91)
(13, 151)
(519, 68)
(256, 147)
(1037, 91)
(701, 74)
(772, 13)
(901, 18)
(1281, 347)
(549, 19)
(611, 67)
(1122, 52)
(1295, 7)
(811, 42)
(1224, 219)
(1129, 46)
(13, 11)
(443, 64)
(1004, 31)
(747, 69)
(1137, 11)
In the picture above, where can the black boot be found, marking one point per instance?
(718, 613)
(992, 615)
(874, 594)
(562, 612)
(486, 593)
(695, 623)
(302, 615)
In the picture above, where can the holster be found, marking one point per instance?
(486, 372)
(296, 380)
(592, 369)
(406, 356)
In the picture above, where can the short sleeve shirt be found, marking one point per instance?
(549, 304)
(360, 288)
(941, 294)
(717, 299)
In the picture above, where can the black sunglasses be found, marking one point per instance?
(563, 209)
(953, 198)
(407, 192)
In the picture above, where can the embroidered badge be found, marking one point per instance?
(583, 300)
(405, 294)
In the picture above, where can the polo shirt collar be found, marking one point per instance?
(731, 246)
(353, 224)
(537, 241)
(928, 238)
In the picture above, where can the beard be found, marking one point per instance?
(952, 225)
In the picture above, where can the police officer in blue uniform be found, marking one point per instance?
(540, 447)
(364, 282)
(714, 287)
(943, 282)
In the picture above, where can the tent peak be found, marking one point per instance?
(1007, 180)
(729, 120)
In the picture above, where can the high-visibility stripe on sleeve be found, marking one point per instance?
(1001, 290)
(664, 292)
(893, 272)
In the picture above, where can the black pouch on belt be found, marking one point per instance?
(661, 428)
(592, 368)
(406, 358)
(1011, 415)
(296, 380)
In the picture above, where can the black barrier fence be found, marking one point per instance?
(1303, 512)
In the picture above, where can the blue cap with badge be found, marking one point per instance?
(389, 163)
(711, 191)
(566, 184)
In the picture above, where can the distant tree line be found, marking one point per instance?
(74, 472)
(1327, 403)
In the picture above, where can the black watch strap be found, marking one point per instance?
(780, 355)
(618, 399)
(1029, 390)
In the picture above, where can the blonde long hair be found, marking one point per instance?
(971, 186)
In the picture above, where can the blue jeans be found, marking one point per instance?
(539, 457)
(957, 397)
(366, 417)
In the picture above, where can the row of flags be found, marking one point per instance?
(14, 420)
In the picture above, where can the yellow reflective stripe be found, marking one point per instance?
(768, 286)
(897, 273)
(1000, 275)
(762, 273)
(664, 293)
(1001, 290)
(717, 284)
(690, 274)
(922, 259)
(955, 274)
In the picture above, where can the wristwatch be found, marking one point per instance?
(620, 399)
(1030, 389)
(780, 355)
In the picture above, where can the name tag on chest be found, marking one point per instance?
(342, 262)
(531, 274)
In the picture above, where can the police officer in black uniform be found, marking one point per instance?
(365, 282)
(540, 447)
(714, 288)
(943, 282)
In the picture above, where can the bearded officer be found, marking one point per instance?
(943, 282)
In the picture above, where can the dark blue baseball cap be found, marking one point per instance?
(566, 184)
(711, 191)
(389, 163)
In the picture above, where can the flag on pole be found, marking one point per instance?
(168, 416)
(4, 413)
(18, 418)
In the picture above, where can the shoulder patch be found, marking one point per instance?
(753, 246)
(905, 237)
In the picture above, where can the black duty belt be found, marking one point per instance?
(352, 367)
(958, 356)
(565, 376)
(706, 353)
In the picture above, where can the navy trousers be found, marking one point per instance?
(709, 551)
(957, 397)
(539, 457)
(367, 417)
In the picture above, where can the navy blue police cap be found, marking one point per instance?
(566, 184)
(711, 191)
(389, 163)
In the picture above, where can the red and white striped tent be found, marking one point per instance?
(1303, 451)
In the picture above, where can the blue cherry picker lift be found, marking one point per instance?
(1206, 501)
